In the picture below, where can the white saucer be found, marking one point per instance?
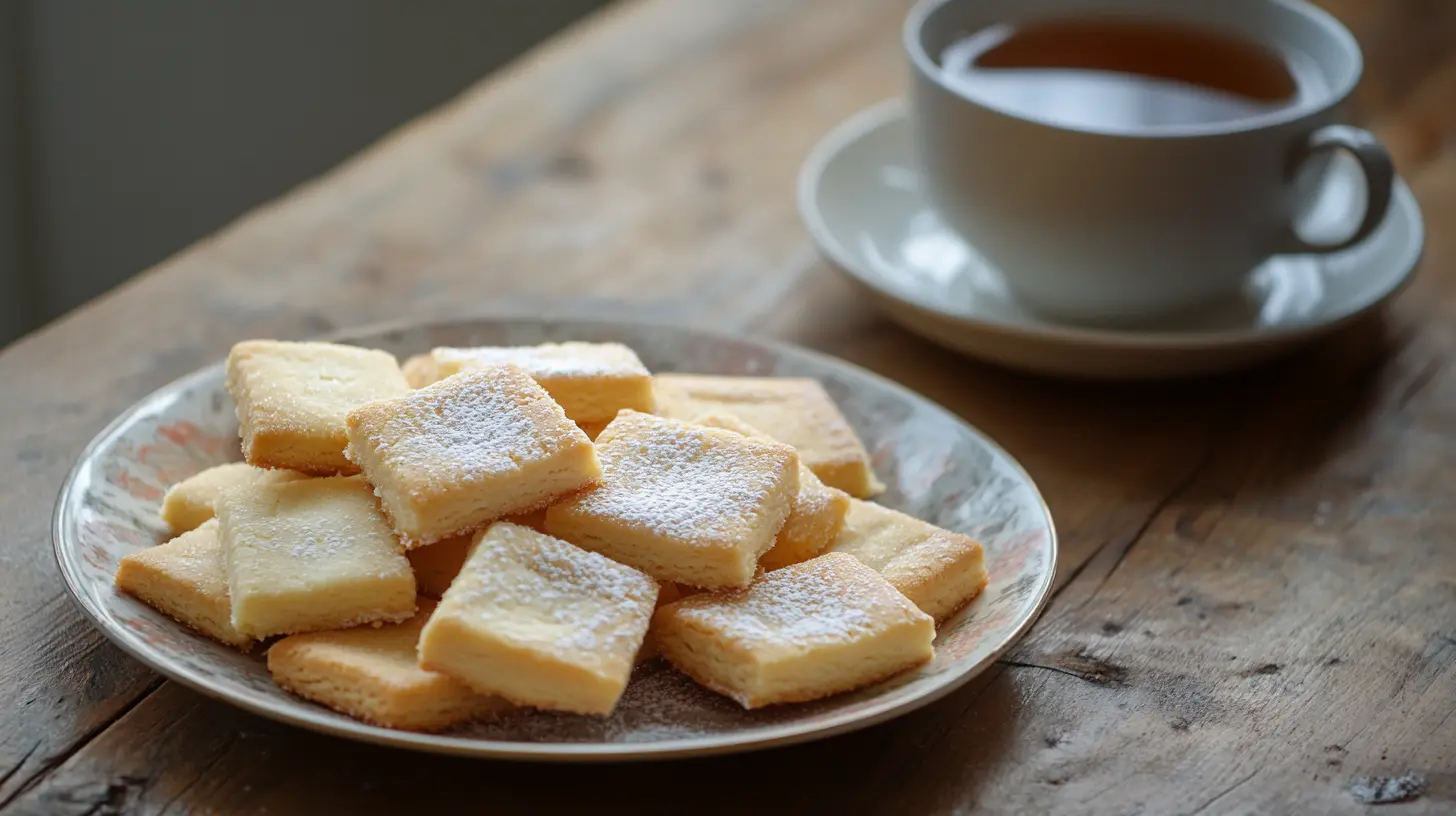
(860, 197)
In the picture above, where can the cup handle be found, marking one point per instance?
(1375, 166)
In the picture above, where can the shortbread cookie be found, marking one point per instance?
(682, 502)
(818, 512)
(436, 565)
(809, 630)
(373, 674)
(419, 371)
(189, 503)
(186, 578)
(540, 622)
(311, 555)
(292, 399)
(939, 570)
(797, 412)
(449, 457)
(591, 381)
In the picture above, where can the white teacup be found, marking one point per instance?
(1122, 227)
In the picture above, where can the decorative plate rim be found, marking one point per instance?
(306, 716)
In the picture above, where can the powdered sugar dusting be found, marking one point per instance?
(546, 361)
(478, 423)
(311, 547)
(588, 602)
(825, 600)
(682, 482)
(300, 386)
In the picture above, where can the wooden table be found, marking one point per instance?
(1256, 603)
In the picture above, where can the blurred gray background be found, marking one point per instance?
(130, 129)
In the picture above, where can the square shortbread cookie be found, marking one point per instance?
(796, 412)
(189, 503)
(292, 399)
(809, 630)
(682, 502)
(591, 381)
(540, 622)
(939, 570)
(449, 457)
(373, 674)
(186, 578)
(311, 555)
(818, 512)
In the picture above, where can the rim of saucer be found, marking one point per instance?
(887, 111)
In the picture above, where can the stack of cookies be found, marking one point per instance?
(493, 527)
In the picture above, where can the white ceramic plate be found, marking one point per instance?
(861, 200)
(936, 466)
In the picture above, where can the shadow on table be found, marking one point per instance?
(264, 766)
(1136, 440)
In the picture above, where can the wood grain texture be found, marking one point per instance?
(1257, 593)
